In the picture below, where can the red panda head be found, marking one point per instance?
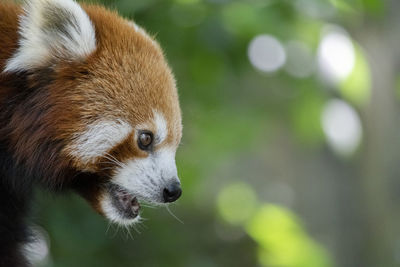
(108, 98)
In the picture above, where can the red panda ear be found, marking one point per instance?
(50, 31)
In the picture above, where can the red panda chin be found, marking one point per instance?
(120, 206)
(124, 202)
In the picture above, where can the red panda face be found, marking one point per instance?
(112, 100)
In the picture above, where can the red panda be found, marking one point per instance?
(88, 103)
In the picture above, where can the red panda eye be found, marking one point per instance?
(145, 140)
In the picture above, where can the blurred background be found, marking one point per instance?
(291, 152)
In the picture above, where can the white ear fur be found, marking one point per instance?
(52, 30)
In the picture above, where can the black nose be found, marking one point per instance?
(172, 192)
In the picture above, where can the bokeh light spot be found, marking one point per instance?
(342, 127)
(266, 53)
(336, 55)
(236, 203)
(282, 240)
(273, 224)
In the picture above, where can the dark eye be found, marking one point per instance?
(145, 140)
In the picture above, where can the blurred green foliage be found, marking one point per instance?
(283, 241)
(356, 88)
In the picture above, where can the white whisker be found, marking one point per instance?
(173, 215)
(128, 232)
(147, 206)
(135, 228)
(108, 227)
(112, 159)
(115, 232)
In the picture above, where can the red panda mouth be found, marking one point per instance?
(124, 202)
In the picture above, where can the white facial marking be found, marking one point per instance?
(99, 138)
(52, 29)
(146, 178)
(114, 215)
(161, 127)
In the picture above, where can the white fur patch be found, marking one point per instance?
(146, 178)
(36, 251)
(161, 127)
(52, 30)
(99, 138)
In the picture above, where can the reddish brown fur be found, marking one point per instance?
(127, 76)
(9, 35)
